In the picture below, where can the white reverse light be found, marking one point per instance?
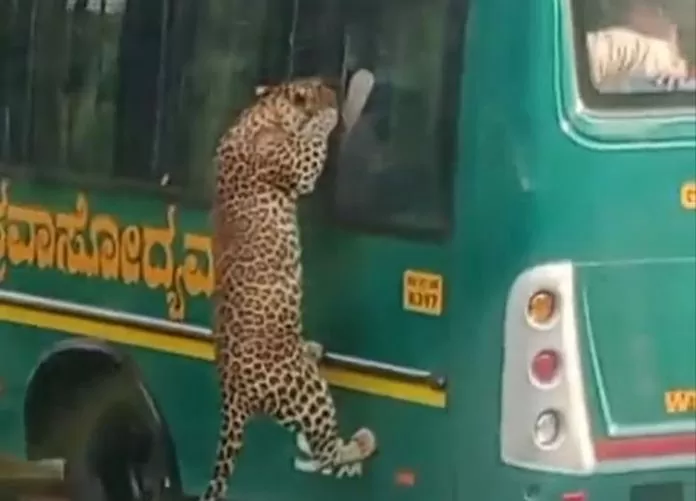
(548, 429)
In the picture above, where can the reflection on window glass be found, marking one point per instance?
(215, 57)
(639, 46)
(75, 95)
(392, 169)
(134, 89)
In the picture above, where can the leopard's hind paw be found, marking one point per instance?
(366, 442)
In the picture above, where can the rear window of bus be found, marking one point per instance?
(636, 53)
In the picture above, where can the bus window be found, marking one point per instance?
(23, 84)
(393, 168)
(634, 48)
(234, 46)
(75, 107)
(215, 60)
(136, 81)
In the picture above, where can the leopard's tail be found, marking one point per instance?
(234, 416)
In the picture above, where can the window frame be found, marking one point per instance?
(447, 154)
(592, 98)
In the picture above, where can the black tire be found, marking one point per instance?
(114, 445)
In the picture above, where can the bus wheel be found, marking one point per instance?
(114, 447)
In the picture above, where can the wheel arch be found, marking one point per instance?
(71, 364)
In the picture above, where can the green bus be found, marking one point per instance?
(500, 259)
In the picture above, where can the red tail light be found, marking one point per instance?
(546, 366)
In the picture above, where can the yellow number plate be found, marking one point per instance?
(423, 292)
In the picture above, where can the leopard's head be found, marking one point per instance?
(306, 108)
(294, 102)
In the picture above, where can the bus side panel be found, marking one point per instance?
(409, 466)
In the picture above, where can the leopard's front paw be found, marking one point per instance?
(314, 350)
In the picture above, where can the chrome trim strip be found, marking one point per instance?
(197, 331)
(104, 314)
(373, 366)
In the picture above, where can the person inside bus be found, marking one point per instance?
(643, 46)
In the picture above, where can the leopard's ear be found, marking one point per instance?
(261, 90)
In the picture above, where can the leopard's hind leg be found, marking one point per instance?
(234, 415)
(304, 405)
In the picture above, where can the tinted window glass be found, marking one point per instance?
(123, 89)
(215, 55)
(81, 83)
(393, 170)
(142, 89)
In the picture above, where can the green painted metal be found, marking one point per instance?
(635, 312)
(533, 180)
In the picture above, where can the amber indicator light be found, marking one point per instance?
(541, 307)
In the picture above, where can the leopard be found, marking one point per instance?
(271, 156)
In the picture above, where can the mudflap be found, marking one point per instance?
(22, 480)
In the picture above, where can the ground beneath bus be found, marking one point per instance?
(22, 480)
(30, 481)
